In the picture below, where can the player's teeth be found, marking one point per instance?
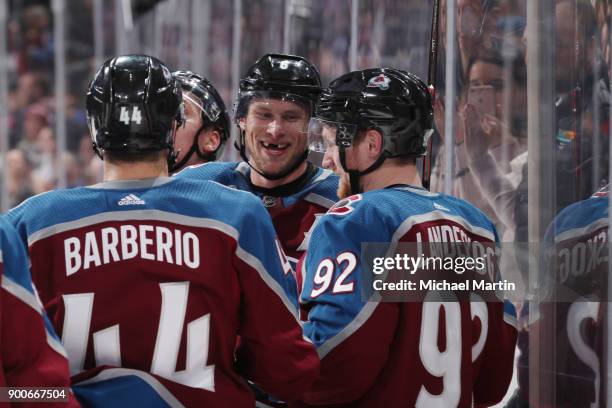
(275, 146)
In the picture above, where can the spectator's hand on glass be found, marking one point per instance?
(477, 131)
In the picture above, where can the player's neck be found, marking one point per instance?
(391, 173)
(134, 171)
(260, 181)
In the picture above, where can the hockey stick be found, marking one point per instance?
(431, 82)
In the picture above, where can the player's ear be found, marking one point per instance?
(242, 123)
(209, 140)
(374, 142)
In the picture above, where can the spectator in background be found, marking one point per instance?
(76, 122)
(44, 171)
(36, 50)
(19, 178)
(582, 88)
(491, 143)
(85, 153)
(481, 25)
(495, 141)
(74, 176)
(35, 120)
(88, 162)
(476, 25)
(31, 88)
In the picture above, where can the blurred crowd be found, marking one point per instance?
(33, 158)
(489, 139)
(490, 135)
(490, 132)
(320, 31)
(491, 146)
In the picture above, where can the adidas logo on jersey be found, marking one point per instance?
(131, 200)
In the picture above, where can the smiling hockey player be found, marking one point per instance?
(274, 104)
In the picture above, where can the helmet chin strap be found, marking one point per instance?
(172, 155)
(193, 149)
(284, 174)
(355, 175)
(97, 150)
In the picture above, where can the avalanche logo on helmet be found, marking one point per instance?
(379, 81)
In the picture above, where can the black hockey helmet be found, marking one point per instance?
(133, 104)
(214, 114)
(394, 102)
(277, 76)
(286, 77)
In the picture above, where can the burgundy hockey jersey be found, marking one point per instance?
(400, 354)
(571, 319)
(31, 354)
(151, 284)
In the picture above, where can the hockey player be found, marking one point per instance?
(273, 107)
(151, 280)
(31, 354)
(206, 129)
(391, 354)
(571, 317)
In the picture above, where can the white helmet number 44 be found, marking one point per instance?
(126, 117)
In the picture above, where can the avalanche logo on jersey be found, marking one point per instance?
(379, 81)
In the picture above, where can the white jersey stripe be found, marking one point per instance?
(438, 215)
(31, 300)
(319, 199)
(21, 293)
(133, 215)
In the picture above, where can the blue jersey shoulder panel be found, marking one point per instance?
(398, 204)
(580, 215)
(178, 196)
(321, 188)
(221, 172)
